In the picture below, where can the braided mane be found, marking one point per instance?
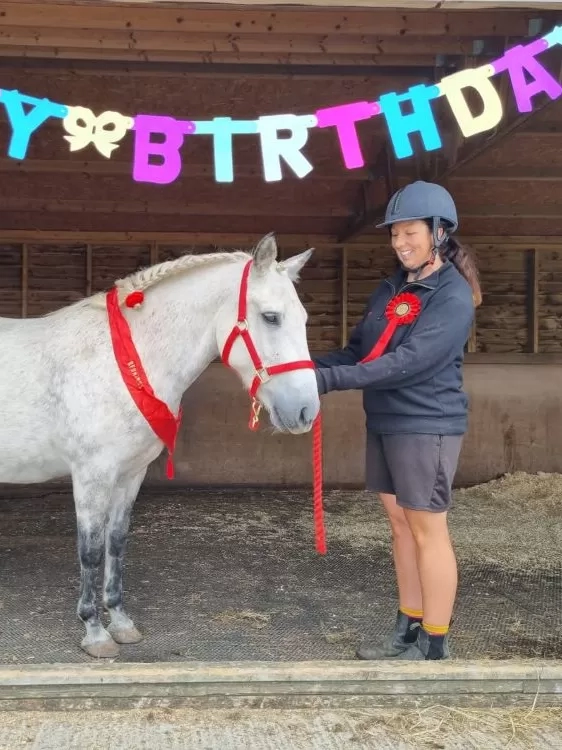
(147, 277)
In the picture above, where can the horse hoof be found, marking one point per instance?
(101, 649)
(125, 635)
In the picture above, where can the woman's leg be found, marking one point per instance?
(423, 467)
(404, 552)
(409, 615)
(437, 565)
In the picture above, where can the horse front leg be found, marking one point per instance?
(121, 628)
(92, 498)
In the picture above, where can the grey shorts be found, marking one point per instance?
(418, 469)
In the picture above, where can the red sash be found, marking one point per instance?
(164, 424)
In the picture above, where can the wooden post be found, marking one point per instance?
(532, 278)
(343, 297)
(24, 279)
(471, 344)
(153, 253)
(88, 270)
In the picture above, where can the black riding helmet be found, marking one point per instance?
(427, 201)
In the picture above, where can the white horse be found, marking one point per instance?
(65, 409)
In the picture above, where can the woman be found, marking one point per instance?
(416, 410)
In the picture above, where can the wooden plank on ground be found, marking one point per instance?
(296, 683)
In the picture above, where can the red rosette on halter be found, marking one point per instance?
(401, 310)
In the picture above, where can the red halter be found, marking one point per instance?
(263, 374)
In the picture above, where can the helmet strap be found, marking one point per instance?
(437, 243)
(429, 262)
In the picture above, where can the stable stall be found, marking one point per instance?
(221, 563)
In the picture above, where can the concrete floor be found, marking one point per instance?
(261, 729)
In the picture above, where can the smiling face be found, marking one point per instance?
(412, 241)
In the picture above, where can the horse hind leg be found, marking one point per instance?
(92, 498)
(121, 628)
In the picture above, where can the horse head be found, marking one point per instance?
(268, 346)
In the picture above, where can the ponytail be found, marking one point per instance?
(463, 261)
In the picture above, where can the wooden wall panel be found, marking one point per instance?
(501, 320)
(110, 263)
(186, 95)
(320, 291)
(550, 301)
(10, 280)
(57, 189)
(178, 196)
(46, 221)
(58, 274)
(365, 270)
(171, 252)
(56, 277)
(319, 287)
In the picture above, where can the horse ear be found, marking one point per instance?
(294, 265)
(265, 253)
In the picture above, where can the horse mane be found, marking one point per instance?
(147, 277)
(144, 278)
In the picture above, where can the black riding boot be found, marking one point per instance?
(427, 648)
(404, 635)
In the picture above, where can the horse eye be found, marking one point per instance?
(272, 318)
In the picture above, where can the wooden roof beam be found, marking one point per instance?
(164, 41)
(229, 207)
(272, 208)
(276, 20)
(158, 62)
(51, 236)
(229, 67)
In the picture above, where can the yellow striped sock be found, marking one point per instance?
(417, 614)
(435, 629)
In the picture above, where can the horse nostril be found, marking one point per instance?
(304, 417)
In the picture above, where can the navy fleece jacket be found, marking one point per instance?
(417, 385)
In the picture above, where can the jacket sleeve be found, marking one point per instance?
(433, 342)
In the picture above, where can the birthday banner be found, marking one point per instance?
(160, 162)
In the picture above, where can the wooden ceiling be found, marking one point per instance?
(191, 33)
(202, 61)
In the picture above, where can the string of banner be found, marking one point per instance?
(160, 161)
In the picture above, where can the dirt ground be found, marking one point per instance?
(230, 574)
(511, 526)
(436, 728)
(514, 521)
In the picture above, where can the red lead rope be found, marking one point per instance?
(401, 310)
(263, 373)
(319, 531)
